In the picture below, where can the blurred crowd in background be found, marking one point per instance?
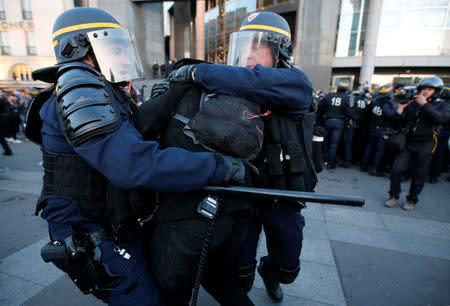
(363, 139)
(13, 110)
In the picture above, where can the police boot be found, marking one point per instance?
(270, 281)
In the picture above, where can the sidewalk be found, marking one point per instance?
(351, 256)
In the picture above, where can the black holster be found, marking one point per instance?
(79, 256)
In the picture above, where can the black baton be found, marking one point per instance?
(286, 194)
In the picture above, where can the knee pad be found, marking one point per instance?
(286, 276)
(246, 277)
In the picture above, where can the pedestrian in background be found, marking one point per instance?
(4, 124)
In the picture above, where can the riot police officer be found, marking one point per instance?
(96, 164)
(420, 117)
(354, 129)
(380, 111)
(263, 45)
(441, 150)
(335, 108)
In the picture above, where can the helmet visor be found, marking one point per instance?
(248, 48)
(116, 55)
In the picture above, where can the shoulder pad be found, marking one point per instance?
(75, 75)
(84, 105)
(34, 122)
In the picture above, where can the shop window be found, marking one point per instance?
(22, 73)
(31, 45)
(26, 10)
(2, 10)
(4, 43)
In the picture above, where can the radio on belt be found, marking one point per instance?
(208, 207)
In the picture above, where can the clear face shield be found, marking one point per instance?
(248, 48)
(116, 54)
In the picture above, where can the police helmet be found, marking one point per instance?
(431, 82)
(385, 90)
(343, 86)
(257, 30)
(91, 31)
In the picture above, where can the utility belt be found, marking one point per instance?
(79, 256)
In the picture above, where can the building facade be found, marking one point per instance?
(26, 34)
(26, 39)
(381, 42)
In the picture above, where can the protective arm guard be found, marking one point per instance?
(84, 105)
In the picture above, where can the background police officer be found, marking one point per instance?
(420, 117)
(380, 112)
(334, 108)
(94, 160)
(441, 150)
(355, 129)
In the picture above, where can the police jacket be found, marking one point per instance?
(335, 106)
(84, 127)
(421, 121)
(381, 112)
(360, 109)
(285, 90)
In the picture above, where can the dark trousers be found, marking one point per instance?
(439, 154)
(175, 250)
(3, 142)
(283, 227)
(334, 128)
(377, 142)
(415, 157)
(349, 132)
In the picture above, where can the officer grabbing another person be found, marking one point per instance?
(420, 117)
(96, 164)
(264, 43)
(334, 109)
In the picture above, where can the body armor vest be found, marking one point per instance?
(337, 104)
(285, 160)
(68, 176)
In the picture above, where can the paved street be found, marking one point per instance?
(351, 256)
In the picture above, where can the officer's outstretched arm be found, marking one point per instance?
(287, 88)
(96, 126)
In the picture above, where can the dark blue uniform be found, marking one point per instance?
(353, 126)
(335, 108)
(381, 111)
(284, 90)
(128, 162)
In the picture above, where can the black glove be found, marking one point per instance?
(182, 74)
(236, 169)
(159, 88)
